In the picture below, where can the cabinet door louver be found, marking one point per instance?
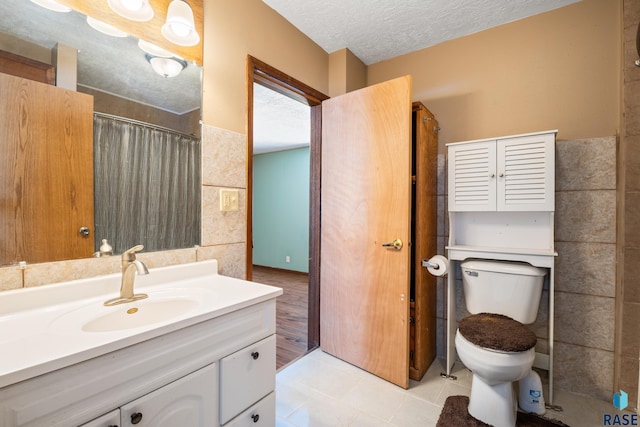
(472, 170)
(525, 180)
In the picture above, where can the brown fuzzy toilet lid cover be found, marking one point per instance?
(497, 332)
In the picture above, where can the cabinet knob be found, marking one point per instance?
(492, 175)
(136, 417)
(255, 418)
(501, 175)
(255, 355)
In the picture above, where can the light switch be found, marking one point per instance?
(228, 199)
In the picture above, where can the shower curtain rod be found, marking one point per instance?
(139, 123)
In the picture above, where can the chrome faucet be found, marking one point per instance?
(129, 267)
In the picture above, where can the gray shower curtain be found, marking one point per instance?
(146, 186)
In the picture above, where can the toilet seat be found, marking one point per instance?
(497, 332)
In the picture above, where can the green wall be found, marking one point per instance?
(281, 209)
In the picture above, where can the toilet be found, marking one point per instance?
(494, 343)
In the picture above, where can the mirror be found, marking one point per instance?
(115, 71)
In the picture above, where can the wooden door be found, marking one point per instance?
(46, 172)
(425, 207)
(366, 202)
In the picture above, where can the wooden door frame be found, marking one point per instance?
(268, 76)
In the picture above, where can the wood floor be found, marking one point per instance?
(291, 311)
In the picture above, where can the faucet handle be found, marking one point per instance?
(130, 254)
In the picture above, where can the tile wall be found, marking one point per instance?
(224, 165)
(629, 200)
(585, 239)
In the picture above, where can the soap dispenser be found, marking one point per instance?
(105, 249)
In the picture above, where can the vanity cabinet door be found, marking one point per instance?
(112, 419)
(246, 376)
(190, 401)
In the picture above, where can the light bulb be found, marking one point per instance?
(52, 5)
(180, 29)
(132, 5)
(105, 28)
(166, 67)
(135, 10)
(154, 50)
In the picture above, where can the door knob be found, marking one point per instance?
(84, 231)
(396, 244)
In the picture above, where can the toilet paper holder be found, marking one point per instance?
(427, 264)
(437, 265)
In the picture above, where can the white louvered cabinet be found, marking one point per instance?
(503, 174)
(501, 207)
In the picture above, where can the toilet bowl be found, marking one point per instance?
(492, 398)
(493, 343)
(494, 366)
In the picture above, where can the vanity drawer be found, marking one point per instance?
(262, 414)
(246, 376)
(112, 419)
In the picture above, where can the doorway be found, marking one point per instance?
(264, 75)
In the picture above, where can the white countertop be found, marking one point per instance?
(37, 335)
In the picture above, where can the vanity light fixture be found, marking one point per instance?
(180, 27)
(52, 5)
(134, 10)
(166, 67)
(105, 28)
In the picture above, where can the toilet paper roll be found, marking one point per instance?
(438, 265)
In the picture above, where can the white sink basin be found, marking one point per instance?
(49, 327)
(142, 314)
(162, 305)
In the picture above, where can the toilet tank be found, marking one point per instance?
(503, 287)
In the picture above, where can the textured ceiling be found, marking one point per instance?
(376, 30)
(279, 123)
(111, 64)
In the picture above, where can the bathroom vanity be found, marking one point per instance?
(199, 351)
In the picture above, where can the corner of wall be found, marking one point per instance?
(224, 234)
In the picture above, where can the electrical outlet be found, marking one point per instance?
(287, 259)
(228, 199)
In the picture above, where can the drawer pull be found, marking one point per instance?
(255, 355)
(255, 418)
(136, 417)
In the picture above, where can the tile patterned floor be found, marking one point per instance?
(319, 390)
